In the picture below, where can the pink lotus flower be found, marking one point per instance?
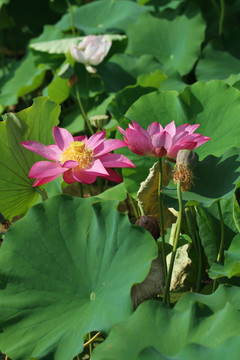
(91, 51)
(158, 141)
(77, 158)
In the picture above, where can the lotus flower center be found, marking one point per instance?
(78, 151)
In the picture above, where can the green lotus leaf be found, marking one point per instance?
(117, 192)
(215, 178)
(176, 43)
(47, 56)
(125, 98)
(209, 225)
(232, 258)
(62, 45)
(231, 266)
(236, 207)
(216, 64)
(69, 272)
(199, 352)
(209, 232)
(2, 2)
(34, 123)
(197, 322)
(102, 16)
(58, 90)
(123, 70)
(25, 77)
(226, 206)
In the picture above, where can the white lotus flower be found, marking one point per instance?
(91, 51)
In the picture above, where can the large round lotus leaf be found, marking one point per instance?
(34, 123)
(66, 269)
(175, 43)
(206, 321)
(102, 16)
(214, 105)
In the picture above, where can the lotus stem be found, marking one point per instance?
(215, 5)
(91, 339)
(221, 19)
(220, 252)
(135, 210)
(175, 242)
(71, 17)
(200, 263)
(90, 345)
(160, 199)
(43, 193)
(81, 190)
(197, 243)
(90, 190)
(83, 112)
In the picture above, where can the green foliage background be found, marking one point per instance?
(68, 265)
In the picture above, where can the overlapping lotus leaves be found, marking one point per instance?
(231, 266)
(75, 261)
(204, 104)
(21, 80)
(230, 346)
(176, 43)
(217, 64)
(125, 98)
(35, 123)
(214, 178)
(123, 70)
(201, 103)
(104, 16)
(197, 323)
(209, 225)
(28, 73)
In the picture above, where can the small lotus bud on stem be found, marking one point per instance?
(150, 223)
(185, 162)
(99, 121)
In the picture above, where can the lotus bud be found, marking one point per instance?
(99, 121)
(91, 51)
(185, 163)
(150, 223)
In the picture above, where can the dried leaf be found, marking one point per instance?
(153, 284)
(148, 193)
